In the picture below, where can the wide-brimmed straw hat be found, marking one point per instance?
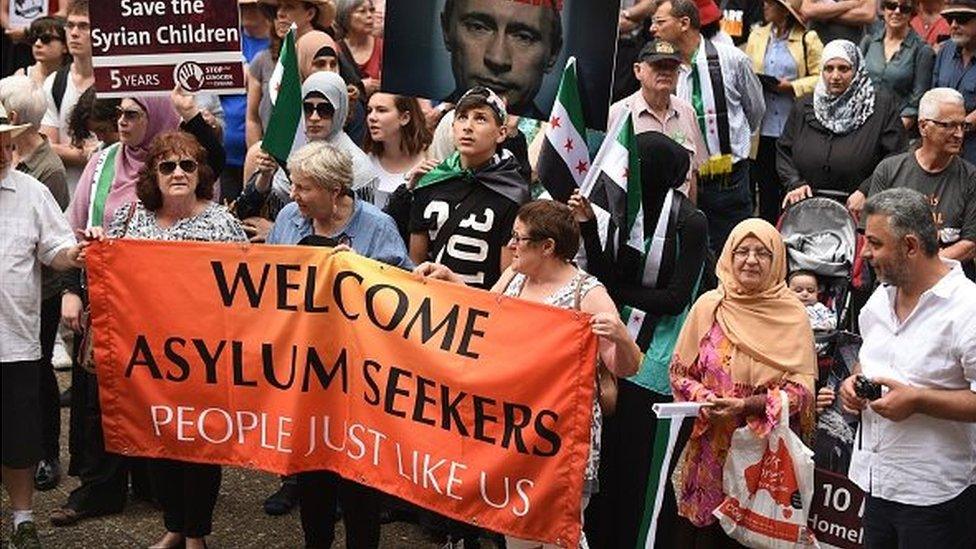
(327, 10)
(6, 126)
(793, 6)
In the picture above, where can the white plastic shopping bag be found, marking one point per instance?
(768, 485)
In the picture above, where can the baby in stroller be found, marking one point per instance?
(806, 286)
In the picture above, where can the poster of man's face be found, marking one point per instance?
(438, 49)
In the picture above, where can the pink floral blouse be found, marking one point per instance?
(698, 476)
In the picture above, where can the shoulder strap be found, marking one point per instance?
(578, 291)
(803, 40)
(128, 218)
(60, 85)
(718, 93)
(454, 220)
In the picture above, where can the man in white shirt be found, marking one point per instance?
(33, 230)
(64, 87)
(718, 81)
(915, 452)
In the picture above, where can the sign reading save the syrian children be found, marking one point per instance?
(147, 47)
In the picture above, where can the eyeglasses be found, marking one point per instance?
(762, 254)
(80, 25)
(323, 109)
(520, 239)
(952, 126)
(167, 167)
(906, 9)
(961, 18)
(44, 38)
(129, 115)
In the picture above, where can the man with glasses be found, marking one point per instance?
(64, 87)
(935, 170)
(955, 66)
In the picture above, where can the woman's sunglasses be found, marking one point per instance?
(167, 167)
(906, 9)
(323, 109)
(44, 38)
(129, 115)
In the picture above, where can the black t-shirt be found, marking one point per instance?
(951, 192)
(474, 249)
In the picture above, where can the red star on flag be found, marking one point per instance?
(569, 144)
(554, 121)
(581, 167)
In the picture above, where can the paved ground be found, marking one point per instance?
(239, 521)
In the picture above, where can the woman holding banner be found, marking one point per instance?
(545, 239)
(325, 212)
(741, 346)
(109, 182)
(175, 191)
(658, 289)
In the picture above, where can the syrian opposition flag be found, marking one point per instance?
(286, 130)
(564, 159)
(674, 424)
(613, 186)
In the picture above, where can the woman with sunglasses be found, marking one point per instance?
(955, 66)
(108, 183)
(175, 190)
(325, 106)
(49, 46)
(898, 60)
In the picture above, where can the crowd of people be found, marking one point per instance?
(740, 113)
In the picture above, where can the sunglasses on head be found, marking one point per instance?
(128, 114)
(961, 18)
(323, 109)
(166, 167)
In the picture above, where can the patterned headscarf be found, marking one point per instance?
(848, 111)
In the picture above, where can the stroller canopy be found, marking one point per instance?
(820, 236)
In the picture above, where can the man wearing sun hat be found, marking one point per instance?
(33, 231)
(954, 66)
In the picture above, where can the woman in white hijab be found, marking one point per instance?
(325, 106)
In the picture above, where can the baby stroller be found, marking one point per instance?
(821, 237)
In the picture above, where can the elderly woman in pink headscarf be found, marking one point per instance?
(108, 183)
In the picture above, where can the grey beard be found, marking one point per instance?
(959, 41)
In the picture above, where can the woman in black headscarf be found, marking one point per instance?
(654, 291)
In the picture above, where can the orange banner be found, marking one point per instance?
(287, 359)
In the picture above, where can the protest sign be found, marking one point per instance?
(289, 359)
(146, 47)
(836, 511)
(22, 13)
(438, 49)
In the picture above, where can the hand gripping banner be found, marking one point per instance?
(290, 359)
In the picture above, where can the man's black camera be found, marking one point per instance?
(866, 389)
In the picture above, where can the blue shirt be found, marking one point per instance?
(371, 232)
(949, 73)
(779, 63)
(235, 107)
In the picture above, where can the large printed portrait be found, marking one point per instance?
(438, 49)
